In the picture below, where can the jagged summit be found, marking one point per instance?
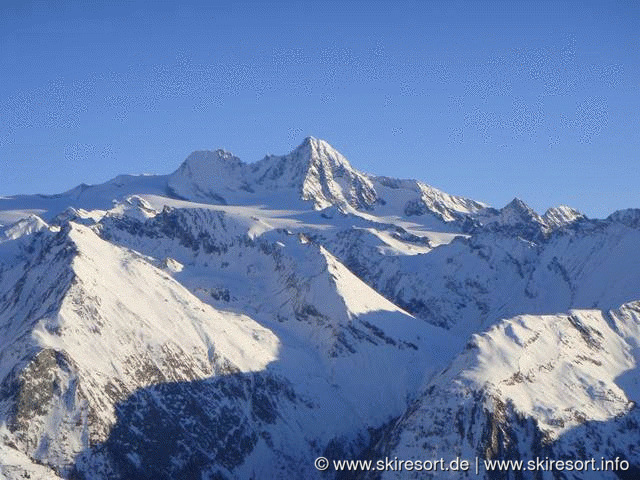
(519, 207)
(320, 173)
(561, 216)
(514, 219)
(555, 217)
(314, 170)
(292, 169)
(312, 143)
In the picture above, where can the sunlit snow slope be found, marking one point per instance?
(237, 320)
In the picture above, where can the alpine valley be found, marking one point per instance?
(237, 321)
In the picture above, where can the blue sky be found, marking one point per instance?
(491, 100)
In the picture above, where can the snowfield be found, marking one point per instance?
(234, 320)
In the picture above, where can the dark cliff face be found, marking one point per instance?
(181, 430)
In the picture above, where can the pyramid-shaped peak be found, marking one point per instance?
(314, 149)
(313, 141)
(517, 211)
(518, 205)
(562, 208)
(312, 157)
(319, 172)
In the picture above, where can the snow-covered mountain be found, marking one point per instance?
(559, 386)
(314, 172)
(234, 320)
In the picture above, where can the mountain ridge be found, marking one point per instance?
(204, 165)
(232, 320)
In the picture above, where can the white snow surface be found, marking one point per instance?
(561, 216)
(313, 303)
(553, 373)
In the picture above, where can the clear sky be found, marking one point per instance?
(491, 100)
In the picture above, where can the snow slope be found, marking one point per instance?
(560, 386)
(237, 320)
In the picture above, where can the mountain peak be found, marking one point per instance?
(316, 150)
(311, 140)
(517, 211)
(207, 158)
(315, 142)
(201, 165)
(518, 205)
(316, 170)
(629, 217)
(319, 172)
(205, 172)
(561, 215)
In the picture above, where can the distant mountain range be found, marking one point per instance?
(238, 321)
